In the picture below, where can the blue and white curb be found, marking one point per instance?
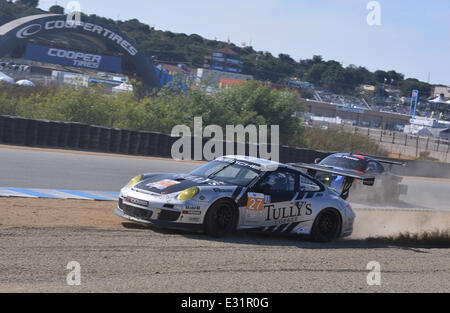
(58, 194)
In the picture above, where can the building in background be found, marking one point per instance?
(223, 64)
(229, 82)
(441, 90)
(212, 77)
(180, 70)
(299, 84)
(224, 60)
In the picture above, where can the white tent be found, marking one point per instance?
(124, 87)
(439, 100)
(25, 82)
(5, 78)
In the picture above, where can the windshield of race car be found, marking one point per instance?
(236, 173)
(345, 162)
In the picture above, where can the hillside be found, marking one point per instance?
(169, 47)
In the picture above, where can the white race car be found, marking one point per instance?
(243, 193)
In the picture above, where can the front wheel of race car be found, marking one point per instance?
(220, 220)
(327, 226)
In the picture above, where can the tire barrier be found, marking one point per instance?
(64, 133)
(164, 146)
(74, 135)
(114, 143)
(152, 144)
(20, 131)
(2, 121)
(30, 132)
(43, 130)
(94, 138)
(285, 155)
(84, 136)
(135, 138)
(53, 134)
(104, 139)
(143, 143)
(124, 141)
(9, 129)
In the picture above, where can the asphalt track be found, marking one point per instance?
(35, 168)
(130, 258)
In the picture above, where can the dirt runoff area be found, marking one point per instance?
(25, 212)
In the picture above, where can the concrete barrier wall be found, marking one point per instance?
(29, 132)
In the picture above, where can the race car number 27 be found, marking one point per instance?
(255, 202)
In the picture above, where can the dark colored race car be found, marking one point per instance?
(387, 188)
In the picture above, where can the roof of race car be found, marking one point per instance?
(355, 156)
(366, 158)
(266, 165)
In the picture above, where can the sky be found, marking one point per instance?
(412, 38)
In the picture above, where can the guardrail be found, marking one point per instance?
(71, 135)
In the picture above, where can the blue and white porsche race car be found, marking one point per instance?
(242, 193)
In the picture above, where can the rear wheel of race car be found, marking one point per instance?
(220, 220)
(327, 226)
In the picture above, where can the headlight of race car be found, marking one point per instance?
(135, 180)
(188, 193)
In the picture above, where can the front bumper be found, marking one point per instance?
(160, 223)
(161, 211)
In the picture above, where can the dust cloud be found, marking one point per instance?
(391, 223)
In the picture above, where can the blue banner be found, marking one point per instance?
(73, 58)
(414, 100)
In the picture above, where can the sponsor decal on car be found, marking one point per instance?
(192, 210)
(193, 219)
(137, 201)
(219, 190)
(255, 201)
(163, 184)
(288, 213)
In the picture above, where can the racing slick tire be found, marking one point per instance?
(221, 219)
(327, 226)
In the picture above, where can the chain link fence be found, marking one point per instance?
(404, 145)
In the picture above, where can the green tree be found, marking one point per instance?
(334, 78)
(56, 9)
(380, 76)
(28, 3)
(358, 75)
(410, 84)
(314, 75)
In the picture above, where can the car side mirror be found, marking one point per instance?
(317, 161)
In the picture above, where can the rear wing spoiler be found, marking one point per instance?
(390, 162)
(350, 176)
(368, 180)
